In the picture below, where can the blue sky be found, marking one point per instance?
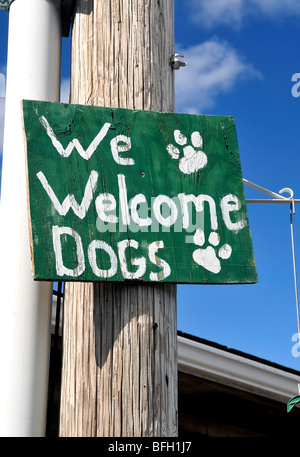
(241, 57)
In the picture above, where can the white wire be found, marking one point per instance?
(280, 199)
(294, 267)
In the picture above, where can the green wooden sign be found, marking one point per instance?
(119, 195)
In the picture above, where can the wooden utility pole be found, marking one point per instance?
(119, 374)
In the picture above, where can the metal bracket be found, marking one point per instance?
(277, 198)
(176, 62)
(5, 4)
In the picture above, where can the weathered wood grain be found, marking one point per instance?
(119, 374)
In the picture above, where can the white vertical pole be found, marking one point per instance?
(33, 72)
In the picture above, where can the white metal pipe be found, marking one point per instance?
(33, 72)
(262, 189)
(277, 200)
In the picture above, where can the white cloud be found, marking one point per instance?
(232, 12)
(2, 85)
(278, 7)
(212, 12)
(214, 67)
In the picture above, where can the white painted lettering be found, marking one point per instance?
(116, 149)
(123, 200)
(198, 203)
(97, 244)
(135, 201)
(106, 203)
(65, 152)
(231, 203)
(139, 262)
(157, 204)
(70, 201)
(166, 270)
(61, 270)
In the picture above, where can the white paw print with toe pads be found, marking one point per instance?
(194, 158)
(208, 258)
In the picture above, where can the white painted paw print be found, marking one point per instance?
(193, 159)
(208, 258)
